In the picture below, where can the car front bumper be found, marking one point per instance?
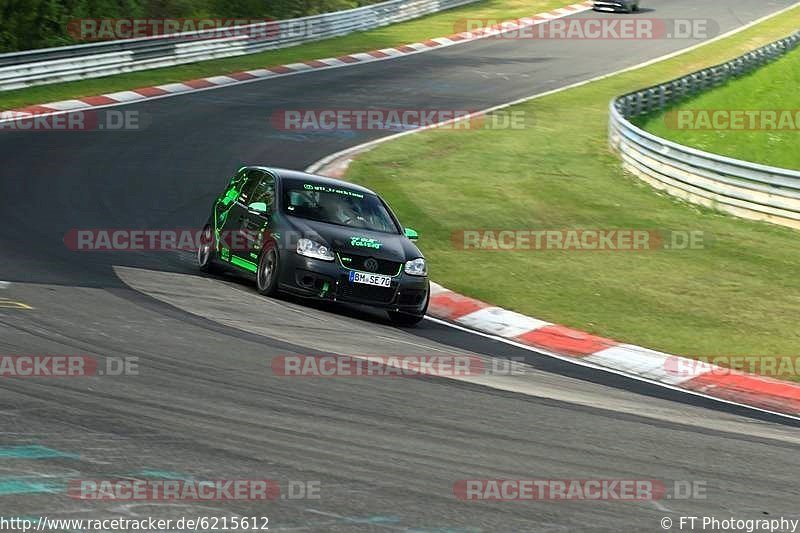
(329, 280)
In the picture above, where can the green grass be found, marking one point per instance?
(437, 25)
(774, 87)
(740, 296)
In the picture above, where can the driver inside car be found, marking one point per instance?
(347, 212)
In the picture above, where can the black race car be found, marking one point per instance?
(319, 238)
(616, 5)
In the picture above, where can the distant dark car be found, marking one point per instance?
(318, 238)
(628, 6)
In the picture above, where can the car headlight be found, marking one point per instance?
(310, 248)
(416, 267)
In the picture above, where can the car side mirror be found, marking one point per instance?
(411, 234)
(257, 208)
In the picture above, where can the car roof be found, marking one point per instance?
(322, 180)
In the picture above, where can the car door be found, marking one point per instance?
(256, 211)
(235, 247)
(256, 220)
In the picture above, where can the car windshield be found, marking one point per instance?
(336, 205)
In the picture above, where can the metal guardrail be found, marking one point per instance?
(741, 188)
(68, 63)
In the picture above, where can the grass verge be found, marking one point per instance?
(773, 87)
(437, 25)
(737, 297)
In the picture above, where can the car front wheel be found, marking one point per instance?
(267, 272)
(408, 320)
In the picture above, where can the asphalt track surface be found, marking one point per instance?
(385, 452)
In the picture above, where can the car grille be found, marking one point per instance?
(387, 268)
(368, 293)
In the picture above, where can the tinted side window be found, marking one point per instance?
(253, 177)
(265, 191)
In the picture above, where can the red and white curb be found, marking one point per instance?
(247, 76)
(674, 371)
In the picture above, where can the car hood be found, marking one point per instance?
(346, 240)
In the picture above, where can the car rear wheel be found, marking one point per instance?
(267, 272)
(207, 250)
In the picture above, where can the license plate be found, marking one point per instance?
(370, 279)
